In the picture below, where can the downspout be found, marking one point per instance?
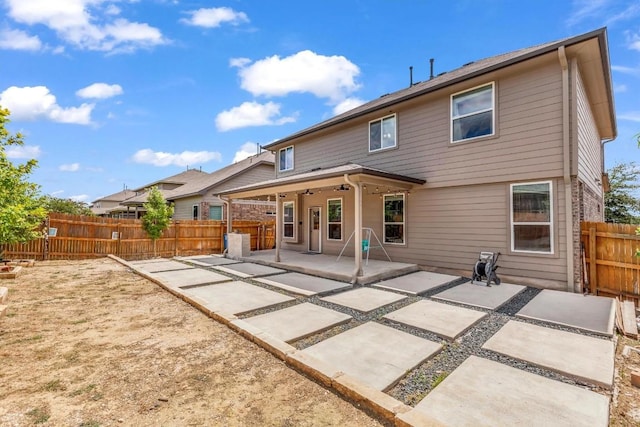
(227, 203)
(566, 166)
(278, 230)
(357, 270)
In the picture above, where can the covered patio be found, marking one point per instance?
(303, 242)
(329, 266)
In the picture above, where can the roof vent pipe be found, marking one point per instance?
(431, 68)
(410, 75)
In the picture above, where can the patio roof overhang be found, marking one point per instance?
(325, 178)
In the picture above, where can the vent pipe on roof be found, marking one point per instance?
(431, 68)
(410, 75)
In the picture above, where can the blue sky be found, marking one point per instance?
(111, 93)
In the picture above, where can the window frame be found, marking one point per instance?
(292, 222)
(329, 222)
(395, 133)
(403, 223)
(452, 119)
(221, 212)
(195, 212)
(286, 167)
(550, 223)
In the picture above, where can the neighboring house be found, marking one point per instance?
(197, 199)
(503, 154)
(110, 206)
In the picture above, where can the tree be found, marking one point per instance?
(66, 206)
(622, 204)
(158, 216)
(20, 211)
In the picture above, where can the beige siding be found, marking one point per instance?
(589, 146)
(183, 208)
(527, 145)
(252, 176)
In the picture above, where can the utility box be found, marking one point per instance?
(239, 245)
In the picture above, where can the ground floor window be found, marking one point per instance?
(288, 219)
(215, 212)
(334, 219)
(394, 218)
(195, 212)
(532, 217)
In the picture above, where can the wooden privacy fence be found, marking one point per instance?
(610, 264)
(83, 237)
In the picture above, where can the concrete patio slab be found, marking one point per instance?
(304, 284)
(481, 392)
(248, 269)
(191, 277)
(299, 321)
(166, 265)
(209, 260)
(373, 353)
(444, 320)
(236, 297)
(590, 312)
(491, 297)
(364, 299)
(417, 283)
(577, 356)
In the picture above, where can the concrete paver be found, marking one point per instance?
(491, 297)
(417, 283)
(590, 312)
(191, 277)
(236, 297)
(373, 353)
(304, 284)
(481, 392)
(445, 320)
(578, 356)
(364, 299)
(209, 260)
(248, 269)
(298, 321)
(166, 265)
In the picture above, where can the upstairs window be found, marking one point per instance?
(532, 217)
(286, 159)
(472, 113)
(382, 133)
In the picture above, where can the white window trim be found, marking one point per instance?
(293, 203)
(334, 222)
(192, 209)
(550, 223)
(493, 116)
(403, 223)
(280, 166)
(395, 137)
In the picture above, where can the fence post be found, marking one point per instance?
(593, 280)
(175, 240)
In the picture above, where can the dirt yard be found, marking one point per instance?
(625, 407)
(89, 343)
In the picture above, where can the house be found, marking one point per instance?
(504, 154)
(110, 206)
(193, 192)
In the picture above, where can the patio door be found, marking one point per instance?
(315, 244)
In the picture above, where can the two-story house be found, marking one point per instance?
(504, 154)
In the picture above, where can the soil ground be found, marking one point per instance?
(625, 406)
(90, 343)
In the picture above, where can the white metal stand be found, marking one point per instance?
(369, 232)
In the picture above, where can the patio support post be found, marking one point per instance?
(277, 232)
(357, 271)
(227, 203)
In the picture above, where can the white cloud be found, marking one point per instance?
(19, 40)
(23, 151)
(585, 9)
(214, 17)
(239, 62)
(37, 102)
(71, 167)
(331, 77)
(87, 24)
(626, 70)
(251, 114)
(55, 193)
(346, 105)
(247, 149)
(80, 197)
(633, 41)
(633, 116)
(100, 91)
(186, 158)
(620, 88)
